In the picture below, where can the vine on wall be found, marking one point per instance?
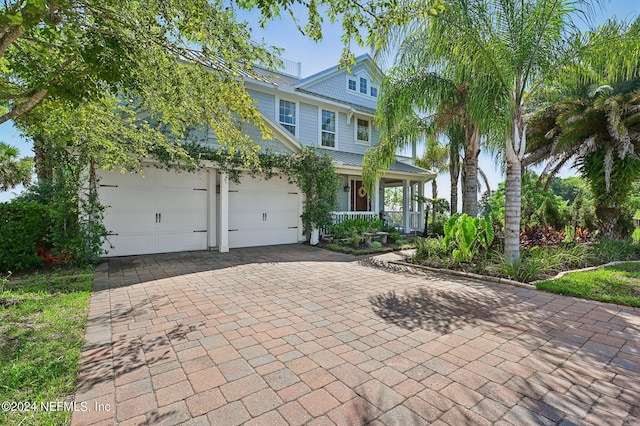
(313, 173)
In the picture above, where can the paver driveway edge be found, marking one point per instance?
(298, 335)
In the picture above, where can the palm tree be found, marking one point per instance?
(13, 171)
(596, 122)
(436, 159)
(513, 47)
(600, 132)
(407, 90)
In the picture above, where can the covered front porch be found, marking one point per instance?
(356, 203)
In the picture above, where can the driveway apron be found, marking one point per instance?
(299, 335)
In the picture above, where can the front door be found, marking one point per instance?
(359, 197)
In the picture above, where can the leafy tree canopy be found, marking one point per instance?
(131, 64)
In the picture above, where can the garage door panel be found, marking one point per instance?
(181, 200)
(151, 218)
(114, 177)
(275, 184)
(131, 244)
(246, 220)
(177, 221)
(264, 238)
(121, 222)
(181, 241)
(171, 179)
(128, 198)
(281, 219)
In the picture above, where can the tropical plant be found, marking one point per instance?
(595, 121)
(408, 88)
(466, 237)
(429, 248)
(13, 171)
(512, 46)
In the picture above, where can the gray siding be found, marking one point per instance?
(266, 103)
(336, 87)
(309, 124)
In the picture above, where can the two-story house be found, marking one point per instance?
(333, 110)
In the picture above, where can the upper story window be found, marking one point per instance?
(328, 129)
(363, 85)
(363, 131)
(287, 115)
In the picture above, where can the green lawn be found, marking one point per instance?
(42, 320)
(618, 284)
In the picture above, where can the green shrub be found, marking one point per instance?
(613, 249)
(376, 245)
(24, 225)
(427, 248)
(347, 228)
(466, 237)
(636, 236)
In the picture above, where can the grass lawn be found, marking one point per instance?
(42, 321)
(618, 284)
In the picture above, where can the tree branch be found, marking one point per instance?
(26, 106)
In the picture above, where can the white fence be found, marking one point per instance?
(342, 216)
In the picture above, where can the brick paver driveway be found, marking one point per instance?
(297, 335)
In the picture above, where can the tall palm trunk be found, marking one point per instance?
(434, 195)
(42, 154)
(513, 188)
(454, 173)
(608, 220)
(472, 151)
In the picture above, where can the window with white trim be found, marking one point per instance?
(287, 115)
(363, 85)
(328, 129)
(352, 85)
(374, 92)
(363, 131)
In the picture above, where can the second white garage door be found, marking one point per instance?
(263, 212)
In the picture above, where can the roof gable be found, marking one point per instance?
(361, 61)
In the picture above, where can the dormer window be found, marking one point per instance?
(363, 85)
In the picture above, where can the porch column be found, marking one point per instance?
(212, 215)
(376, 198)
(421, 206)
(406, 204)
(223, 221)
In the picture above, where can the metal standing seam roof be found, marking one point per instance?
(353, 159)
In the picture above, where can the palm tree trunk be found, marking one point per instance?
(454, 173)
(43, 152)
(472, 151)
(513, 188)
(434, 195)
(607, 220)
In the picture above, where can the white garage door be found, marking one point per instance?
(263, 212)
(163, 212)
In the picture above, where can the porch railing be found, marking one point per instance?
(415, 224)
(342, 216)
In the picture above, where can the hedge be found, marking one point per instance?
(23, 225)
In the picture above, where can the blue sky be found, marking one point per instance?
(316, 57)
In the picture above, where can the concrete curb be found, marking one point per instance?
(479, 277)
